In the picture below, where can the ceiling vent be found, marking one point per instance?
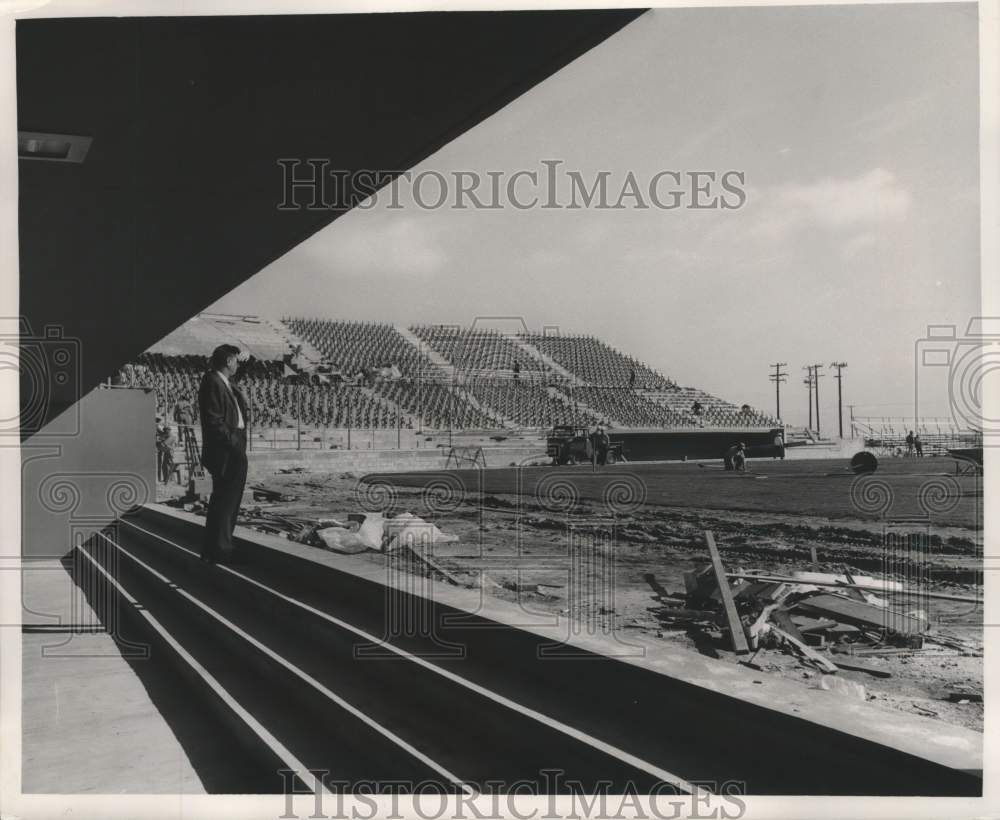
(52, 147)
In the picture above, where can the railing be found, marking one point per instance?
(888, 436)
(268, 439)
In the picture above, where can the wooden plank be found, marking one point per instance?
(687, 614)
(941, 596)
(855, 612)
(806, 651)
(807, 624)
(434, 565)
(784, 620)
(760, 626)
(757, 590)
(856, 666)
(728, 604)
(851, 589)
(700, 584)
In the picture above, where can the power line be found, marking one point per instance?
(778, 377)
(840, 398)
(808, 382)
(816, 377)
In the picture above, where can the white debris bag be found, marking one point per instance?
(360, 533)
(407, 529)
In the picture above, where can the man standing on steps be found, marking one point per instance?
(223, 410)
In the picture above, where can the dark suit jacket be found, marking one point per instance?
(219, 436)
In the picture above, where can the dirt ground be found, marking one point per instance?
(516, 546)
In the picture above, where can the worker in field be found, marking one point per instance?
(735, 455)
(740, 458)
(601, 444)
(164, 450)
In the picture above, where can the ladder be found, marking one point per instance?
(191, 453)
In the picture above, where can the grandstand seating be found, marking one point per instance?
(206, 331)
(528, 403)
(274, 401)
(938, 435)
(628, 408)
(438, 404)
(478, 351)
(373, 375)
(351, 348)
(596, 363)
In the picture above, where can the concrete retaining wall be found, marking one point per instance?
(370, 461)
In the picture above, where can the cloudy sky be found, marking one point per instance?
(856, 129)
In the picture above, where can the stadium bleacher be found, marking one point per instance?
(527, 403)
(478, 351)
(597, 363)
(274, 401)
(887, 435)
(374, 375)
(257, 335)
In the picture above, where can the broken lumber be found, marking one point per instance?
(782, 618)
(760, 626)
(700, 585)
(884, 589)
(434, 565)
(687, 614)
(806, 624)
(728, 604)
(806, 651)
(855, 666)
(844, 610)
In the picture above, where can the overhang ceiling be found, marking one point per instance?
(176, 202)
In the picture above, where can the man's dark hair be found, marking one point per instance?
(221, 355)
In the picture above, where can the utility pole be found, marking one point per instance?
(778, 377)
(808, 382)
(840, 396)
(816, 377)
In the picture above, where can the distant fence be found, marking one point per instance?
(937, 435)
(353, 438)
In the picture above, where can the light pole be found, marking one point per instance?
(816, 377)
(778, 377)
(808, 382)
(840, 396)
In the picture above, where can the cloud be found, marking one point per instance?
(858, 244)
(889, 120)
(393, 245)
(837, 205)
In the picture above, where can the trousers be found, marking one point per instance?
(224, 506)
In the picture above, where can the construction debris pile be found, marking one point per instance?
(830, 621)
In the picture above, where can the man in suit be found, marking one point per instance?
(224, 420)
